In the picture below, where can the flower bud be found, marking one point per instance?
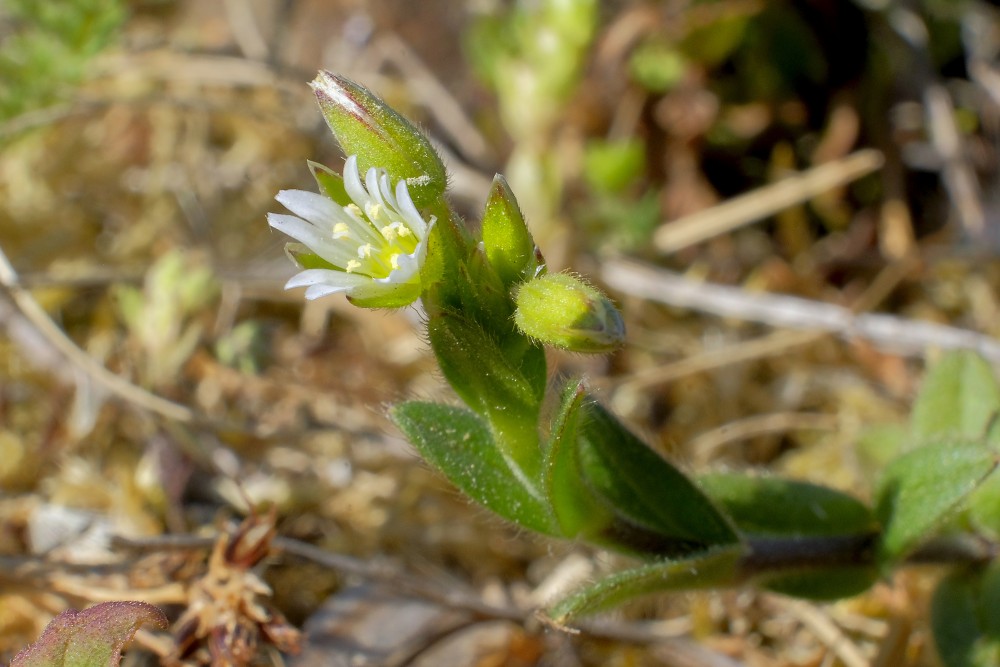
(506, 238)
(367, 127)
(563, 311)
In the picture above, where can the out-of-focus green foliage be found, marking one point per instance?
(161, 315)
(532, 55)
(964, 618)
(50, 47)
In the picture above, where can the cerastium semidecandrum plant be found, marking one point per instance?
(548, 457)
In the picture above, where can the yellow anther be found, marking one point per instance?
(340, 230)
(394, 260)
(352, 265)
(353, 208)
(403, 230)
(365, 250)
(389, 232)
(373, 211)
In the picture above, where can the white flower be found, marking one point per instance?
(371, 249)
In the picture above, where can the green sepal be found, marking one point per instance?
(646, 491)
(576, 509)
(459, 444)
(401, 296)
(772, 506)
(920, 489)
(367, 127)
(330, 183)
(506, 239)
(476, 368)
(964, 618)
(710, 569)
(306, 258)
(448, 248)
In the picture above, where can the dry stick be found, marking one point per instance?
(893, 334)
(118, 386)
(706, 444)
(245, 30)
(436, 98)
(779, 341)
(765, 201)
(957, 174)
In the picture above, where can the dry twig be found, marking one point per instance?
(892, 334)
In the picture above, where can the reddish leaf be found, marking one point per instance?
(93, 637)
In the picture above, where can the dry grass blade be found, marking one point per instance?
(118, 386)
(763, 202)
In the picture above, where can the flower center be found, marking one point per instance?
(378, 253)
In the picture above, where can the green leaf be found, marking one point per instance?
(762, 506)
(706, 570)
(575, 507)
(645, 490)
(771, 506)
(964, 618)
(918, 490)
(959, 398)
(984, 508)
(93, 637)
(823, 584)
(879, 445)
(459, 444)
(506, 238)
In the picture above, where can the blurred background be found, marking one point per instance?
(774, 192)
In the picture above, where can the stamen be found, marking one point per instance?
(352, 265)
(340, 230)
(394, 261)
(353, 208)
(373, 210)
(365, 251)
(389, 232)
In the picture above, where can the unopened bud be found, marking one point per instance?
(367, 127)
(506, 238)
(563, 311)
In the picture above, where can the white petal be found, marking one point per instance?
(352, 183)
(412, 217)
(315, 208)
(328, 276)
(313, 238)
(371, 183)
(408, 267)
(325, 213)
(386, 191)
(316, 291)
